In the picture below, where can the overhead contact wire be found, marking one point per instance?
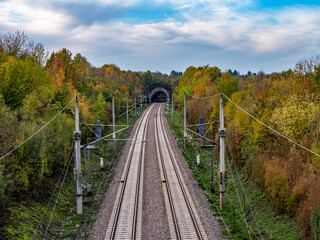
(275, 131)
(39, 129)
(196, 97)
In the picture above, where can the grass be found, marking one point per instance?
(248, 213)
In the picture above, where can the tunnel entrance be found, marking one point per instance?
(159, 97)
(159, 94)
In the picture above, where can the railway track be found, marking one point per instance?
(184, 222)
(126, 217)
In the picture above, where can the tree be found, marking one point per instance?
(49, 61)
(62, 65)
(20, 78)
(235, 73)
(99, 108)
(261, 75)
(39, 54)
(227, 84)
(148, 80)
(213, 73)
(175, 74)
(15, 44)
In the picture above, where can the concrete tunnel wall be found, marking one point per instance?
(159, 89)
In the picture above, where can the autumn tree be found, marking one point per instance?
(228, 84)
(61, 66)
(39, 54)
(15, 44)
(20, 78)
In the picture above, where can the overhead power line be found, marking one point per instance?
(196, 97)
(55, 205)
(275, 131)
(39, 129)
(40, 225)
(243, 190)
(203, 124)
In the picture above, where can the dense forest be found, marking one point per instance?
(34, 87)
(288, 102)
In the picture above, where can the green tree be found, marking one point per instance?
(20, 78)
(228, 84)
(99, 108)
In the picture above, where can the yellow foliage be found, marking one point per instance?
(84, 110)
(242, 121)
(215, 112)
(297, 117)
(71, 87)
(99, 86)
(230, 108)
(124, 90)
(197, 75)
(276, 183)
(58, 81)
(200, 90)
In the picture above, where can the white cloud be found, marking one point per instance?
(287, 30)
(293, 28)
(34, 18)
(122, 3)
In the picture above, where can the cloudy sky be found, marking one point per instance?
(165, 35)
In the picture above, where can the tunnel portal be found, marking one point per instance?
(159, 94)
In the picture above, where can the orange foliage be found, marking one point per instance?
(124, 90)
(58, 81)
(308, 191)
(100, 86)
(201, 89)
(197, 75)
(276, 183)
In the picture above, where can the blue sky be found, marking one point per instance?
(165, 35)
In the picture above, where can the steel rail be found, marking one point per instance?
(139, 185)
(114, 219)
(164, 177)
(197, 227)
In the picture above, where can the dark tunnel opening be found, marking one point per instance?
(159, 97)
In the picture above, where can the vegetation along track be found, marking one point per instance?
(125, 221)
(184, 222)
